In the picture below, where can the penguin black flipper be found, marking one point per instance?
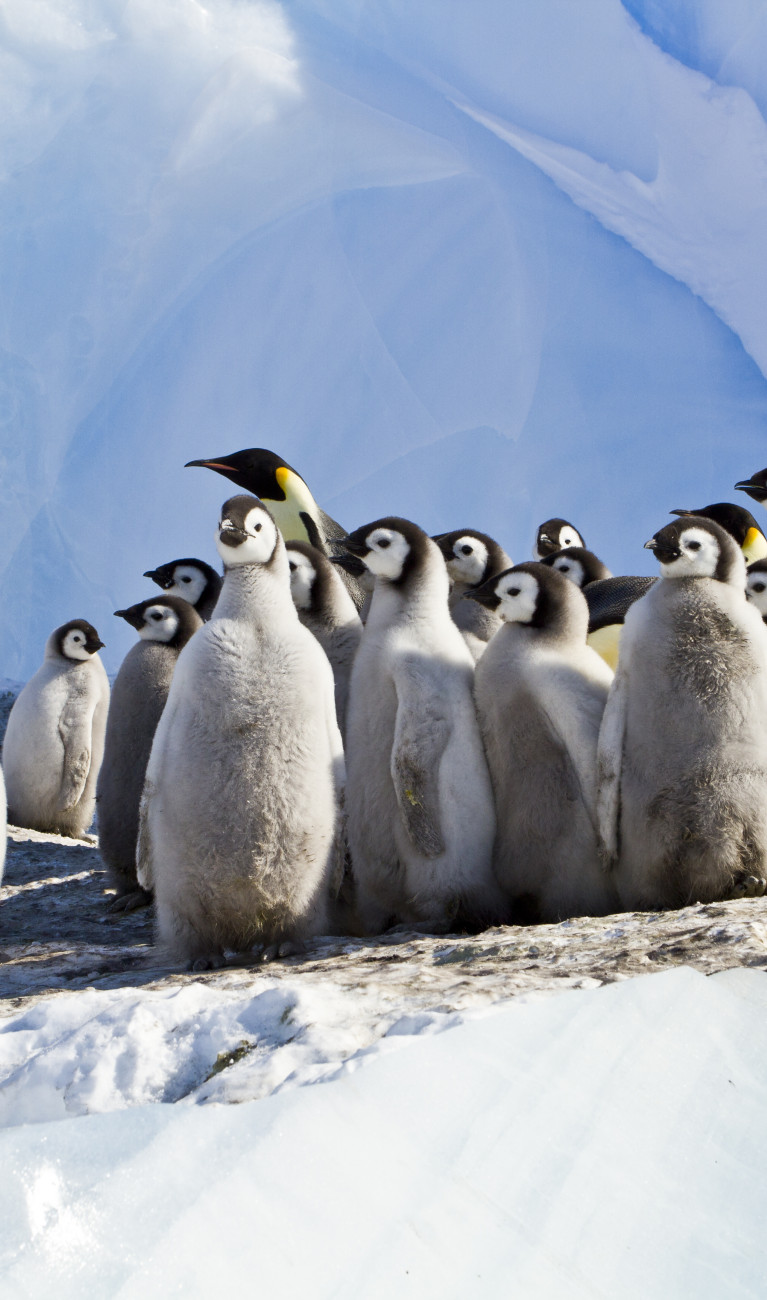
(608, 599)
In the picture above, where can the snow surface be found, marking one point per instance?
(606, 1142)
(472, 264)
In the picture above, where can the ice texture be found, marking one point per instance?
(605, 1142)
(475, 264)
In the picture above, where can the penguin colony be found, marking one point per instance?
(349, 732)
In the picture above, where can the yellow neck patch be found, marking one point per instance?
(287, 513)
(755, 545)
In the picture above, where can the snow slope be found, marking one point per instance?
(473, 264)
(606, 1142)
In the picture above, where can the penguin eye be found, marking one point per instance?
(383, 542)
(563, 568)
(293, 566)
(693, 546)
(156, 617)
(186, 579)
(257, 528)
(757, 586)
(466, 550)
(513, 591)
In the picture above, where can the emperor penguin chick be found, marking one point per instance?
(540, 694)
(579, 565)
(555, 535)
(55, 737)
(472, 558)
(192, 580)
(419, 804)
(238, 823)
(683, 745)
(326, 608)
(164, 625)
(756, 586)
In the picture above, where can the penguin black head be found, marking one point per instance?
(755, 486)
(168, 619)
(255, 470)
(555, 535)
(189, 578)
(246, 533)
(697, 547)
(390, 548)
(76, 639)
(311, 577)
(471, 557)
(756, 586)
(579, 565)
(537, 596)
(738, 522)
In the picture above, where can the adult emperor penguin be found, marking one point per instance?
(755, 487)
(756, 586)
(164, 625)
(55, 737)
(738, 522)
(193, 580)
(472, 558)
(555, 535)
(419, 802)
(238, 824)
(287, 496)
(326, 608)
(540, 693)
(683, 744)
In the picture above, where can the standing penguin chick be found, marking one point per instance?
(472, 558)
(238, 817)
(326, 608)
(540, 693)
(555, 535)
(192, 580)
(141, 687)
(55, 737)
(683, 745)
(419, 803)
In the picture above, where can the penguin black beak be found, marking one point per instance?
(210, 464)
(757, 491)
(131, 616)
(444, 546)
(93, 644)
(681, 512)
(232, 536)
(651, 545)
(360, 549)
(349, 563)
(484, 596)
(664, 553)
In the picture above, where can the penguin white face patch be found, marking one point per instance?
(518, 593)
(160, 624)
(73, 645)
(387, 553)
(251, 542)
(569, 537)
(572, 569)
(188, 582)
(302, 578)
(699, 558)
(469, 560)
(756, 590)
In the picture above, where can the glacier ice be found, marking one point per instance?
(435, 255)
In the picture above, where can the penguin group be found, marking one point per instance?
(349, 732)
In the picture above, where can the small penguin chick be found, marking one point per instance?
(756, 586)
(555, 535)
(168, 619)
(696, 547)
(393, 549)
(736, 521)
(193, 580)
(537, 596)
(471, 558)
(326, 608)
(755, 487)
(579, 565)
(74, 640)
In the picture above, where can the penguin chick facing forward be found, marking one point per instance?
(164, 625)
(419, 803)
(55, 736)
(540, 693)
(326, 608)
(192, 580)
(238, 821)
(683, 744)
(555, 535)
(472, 558)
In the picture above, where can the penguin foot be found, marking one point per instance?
(288, 948)
(210, 961)
(747, 887)
(131, 901)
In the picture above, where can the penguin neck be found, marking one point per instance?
(256, 593)
(422, 597)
